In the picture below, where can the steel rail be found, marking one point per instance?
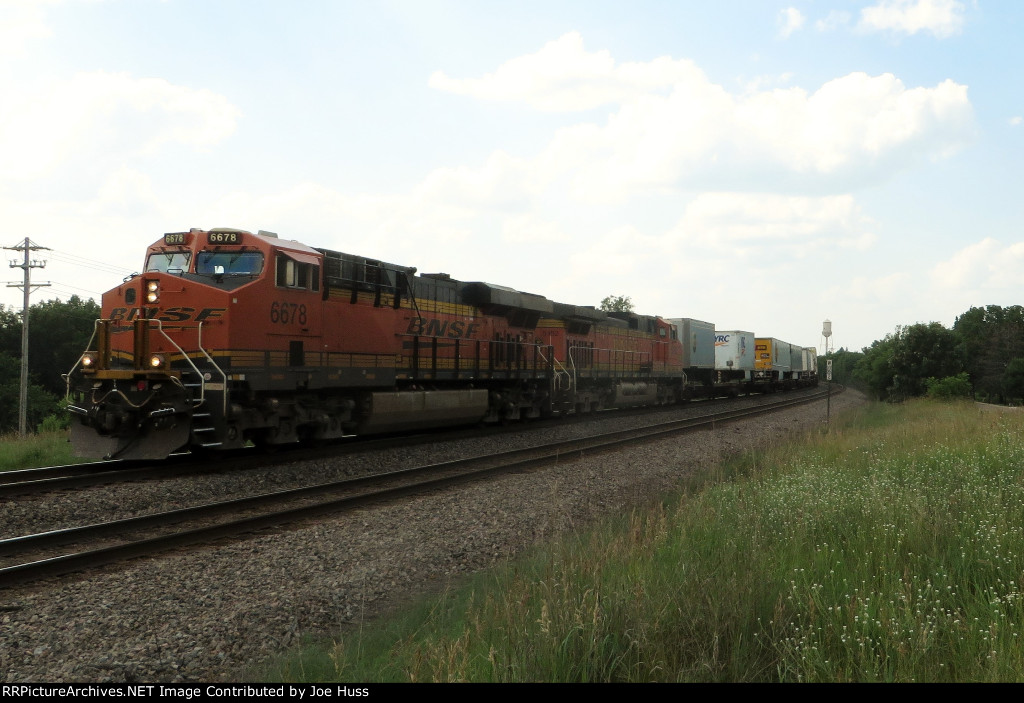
(52, 478)
(500, 462)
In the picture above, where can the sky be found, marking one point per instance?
(761, 165)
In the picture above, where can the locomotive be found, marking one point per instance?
(229, 338)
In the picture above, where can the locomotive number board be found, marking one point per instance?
(224, 237)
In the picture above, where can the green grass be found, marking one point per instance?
(42, 449)
(889, 549)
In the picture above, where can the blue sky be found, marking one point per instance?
(760, 165)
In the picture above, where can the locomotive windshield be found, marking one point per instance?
(175, 261)
(238, 263)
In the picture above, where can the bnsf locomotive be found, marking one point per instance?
(230, 337)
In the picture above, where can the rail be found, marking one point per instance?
(421, 478)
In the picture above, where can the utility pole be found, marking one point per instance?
(826, 332)
(27, 287)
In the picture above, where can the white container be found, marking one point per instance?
(811, 360)
(798, 363)
(734, 350)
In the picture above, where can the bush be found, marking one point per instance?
(958, 386)
(57, 421)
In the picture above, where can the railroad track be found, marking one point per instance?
(72, 476)
(52, 478)
(30, 557)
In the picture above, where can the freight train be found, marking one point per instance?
(229, 338)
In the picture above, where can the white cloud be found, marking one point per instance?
(126, 192)
(767, 82)
(676, 128)
(103, 118)
(21, 23)
(987, 265)
(1016, 120)
(790, 20)
(563, 76)
(941, 18)
(385, 226)
(880, 289)
(532, 229)
(731, 190)
(854, 121)
(851, 131)
(760, 224)
(502, 183)
(833, 20)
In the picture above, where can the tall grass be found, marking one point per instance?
(889, 549)
(42, 449)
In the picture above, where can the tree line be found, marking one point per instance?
(982, 356)
(58, 334)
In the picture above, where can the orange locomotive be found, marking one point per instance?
(230, 337)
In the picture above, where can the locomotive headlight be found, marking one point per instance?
(157, 361)
(88, 360)
(152, 291)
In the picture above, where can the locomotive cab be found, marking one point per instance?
(160, 370)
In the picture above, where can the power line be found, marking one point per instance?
(88, 263)
(68, 289)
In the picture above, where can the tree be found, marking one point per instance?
(873, 370)
(10, 331)
(989, 337)
(1013, 379)
(843, 364)
(58, 335)
(616, 303)
(923, 351)
(895, 368)
(40, 402)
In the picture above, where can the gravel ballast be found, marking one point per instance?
(211, 613)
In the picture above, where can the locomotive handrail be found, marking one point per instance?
(614, 358)
(223, 376)
(558, 374)
(412, 290)
(202, 379)
(572, 364)
(67, 376)
(188, 360)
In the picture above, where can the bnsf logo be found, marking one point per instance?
(179, 314)
(453, 329)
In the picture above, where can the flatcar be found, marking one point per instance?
(229, 337)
